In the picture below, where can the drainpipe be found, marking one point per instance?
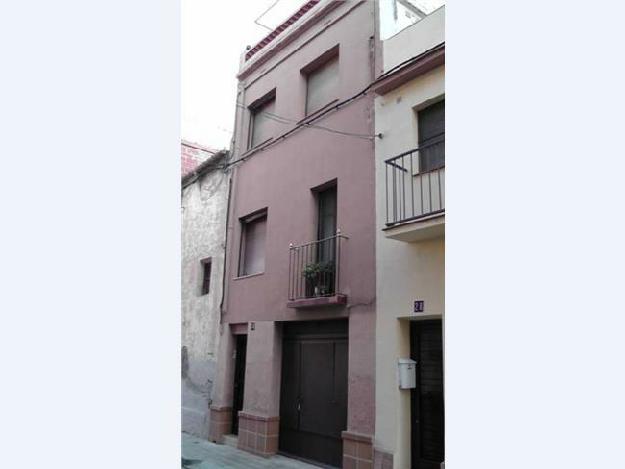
(233, 155)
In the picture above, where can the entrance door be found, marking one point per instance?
(313, 396)
(239, 381)
(427, 414)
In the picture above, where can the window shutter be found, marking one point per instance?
(322, 85)
(432, 137)
(254, 255)
(262, 123)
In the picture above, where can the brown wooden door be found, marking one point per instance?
(427, 405)
(239, 381)
(313, 399)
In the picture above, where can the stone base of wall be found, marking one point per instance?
(258, 434)
(220, 423)
(357, 451)
(382, 459)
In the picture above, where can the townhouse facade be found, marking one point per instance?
(297, 348)
(326, 341)
(410, 246)
(204, 201)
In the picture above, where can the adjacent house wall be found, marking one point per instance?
(204, 205)
(405, 271)
(415, 39)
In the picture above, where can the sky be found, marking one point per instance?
(214, 34)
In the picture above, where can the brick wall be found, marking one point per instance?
(192, 157)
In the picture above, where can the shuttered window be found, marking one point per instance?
(322, 85)
(252, 256)
(262, 122)
(432, 137)
(326, 225)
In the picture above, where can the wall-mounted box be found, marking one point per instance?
(407, 373)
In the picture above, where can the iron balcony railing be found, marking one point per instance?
(410, 193)
(314, 268)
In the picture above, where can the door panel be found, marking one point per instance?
(313, 399)
(317, 387)
(428, 413)
(289, 397)
(239, 381)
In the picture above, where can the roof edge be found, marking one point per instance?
(205, 167)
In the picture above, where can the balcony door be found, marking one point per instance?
(326, 225)
(324, 283)
(431, 121)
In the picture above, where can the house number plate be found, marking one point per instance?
(419, 306)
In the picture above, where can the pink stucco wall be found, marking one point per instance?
(281, 178)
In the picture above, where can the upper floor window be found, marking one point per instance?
(322, 80)
(261, 119)
(253, 235)
(431, 122)
(326, 224)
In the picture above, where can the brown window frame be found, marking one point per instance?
(254, 109)
(314, 67)
(245, 223)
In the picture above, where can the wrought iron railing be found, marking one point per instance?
(314, 268)
(410, 193)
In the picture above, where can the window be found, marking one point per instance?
(261, 119)
(206, 276)
(253, 234)
(431, 121)
(322, 81)
(326, 223)
(327, 213)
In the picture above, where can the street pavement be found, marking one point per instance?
(202, 454)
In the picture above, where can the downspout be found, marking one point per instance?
(233, 151)
(223, 277)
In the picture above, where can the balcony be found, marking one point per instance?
(415, 200)
(314, 273)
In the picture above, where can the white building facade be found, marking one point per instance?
(410, 244)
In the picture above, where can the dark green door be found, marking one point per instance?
(427, 405)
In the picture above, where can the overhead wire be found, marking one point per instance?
(286, 120)
(334, 107)
(263, 14)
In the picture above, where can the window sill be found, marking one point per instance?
(243, 277)
(313, 114)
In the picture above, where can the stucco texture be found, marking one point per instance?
(280, 179)
(203, 235)
(405, 271)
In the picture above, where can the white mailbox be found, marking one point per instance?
(407, 373)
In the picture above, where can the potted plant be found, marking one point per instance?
(319, 278)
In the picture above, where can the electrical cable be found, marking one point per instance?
(334, 107)
(263, 14)
(286, 120)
